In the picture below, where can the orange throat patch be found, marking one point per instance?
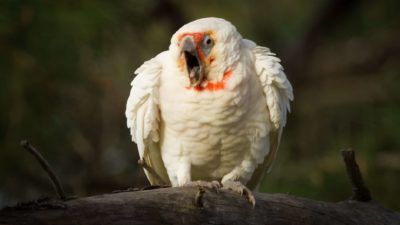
(212, 86)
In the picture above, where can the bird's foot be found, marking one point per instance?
(239, 188)
(214, 185)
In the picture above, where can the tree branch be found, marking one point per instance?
(183, 206)
(193, 205)
(360, 191)
(46, 166)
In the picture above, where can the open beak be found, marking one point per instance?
(194, 65)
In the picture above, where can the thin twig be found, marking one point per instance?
(360, 191)
(46, 166)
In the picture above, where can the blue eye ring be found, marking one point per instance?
(207, 41)
(207, 44)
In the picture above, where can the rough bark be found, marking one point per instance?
(195, 205)
(185, 206)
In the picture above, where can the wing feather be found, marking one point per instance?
(278, 94)
(277, 88)
(143, 118)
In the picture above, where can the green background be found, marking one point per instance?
(66, 66)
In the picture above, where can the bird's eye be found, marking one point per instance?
(207, 41)
(207, 45)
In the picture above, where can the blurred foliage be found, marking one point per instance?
(66, 67)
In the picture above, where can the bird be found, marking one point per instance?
(210, 110)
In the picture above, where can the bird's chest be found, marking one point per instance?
(196, 115)
(207, 128)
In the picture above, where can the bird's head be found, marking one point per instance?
(205, 49)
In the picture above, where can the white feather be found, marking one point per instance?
(277, 88)
(142, 113)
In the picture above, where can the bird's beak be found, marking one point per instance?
(194, 65)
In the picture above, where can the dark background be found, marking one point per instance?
(66, 67)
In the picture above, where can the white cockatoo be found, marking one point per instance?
(210, 110)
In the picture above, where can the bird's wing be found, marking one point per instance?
(143, 119)
(278, 93)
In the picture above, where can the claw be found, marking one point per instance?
(214, 185)
(239, 188)
(198, 199)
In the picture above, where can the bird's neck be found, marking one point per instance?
(214, 85)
